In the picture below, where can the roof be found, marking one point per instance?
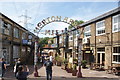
(17, 24)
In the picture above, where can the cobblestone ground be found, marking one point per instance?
(60, 74)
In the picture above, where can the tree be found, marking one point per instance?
(78, 22)
(43, 41)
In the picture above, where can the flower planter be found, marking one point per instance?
(58, 63)
(69, 70)
(74, 72)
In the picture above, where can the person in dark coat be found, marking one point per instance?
(22, 74)
(18, 63)
(48, 64)
(3, 68)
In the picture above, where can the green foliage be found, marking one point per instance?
(59, 59)
(75, 59)
(74, 66)
(83, 62)
(65, 61)
(69, 65)
(43, 41)
(78, 22)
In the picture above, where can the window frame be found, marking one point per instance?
(117, 54)
(24, 36)
(16, 35)
(88, 31)
(6, 28)
(100, 28)
(117, 23)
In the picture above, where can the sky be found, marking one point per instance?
(39, 10)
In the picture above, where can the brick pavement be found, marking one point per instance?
(59, 74)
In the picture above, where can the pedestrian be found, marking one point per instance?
(48, 64)
(22, 73)
(3, 68)
(17, 64)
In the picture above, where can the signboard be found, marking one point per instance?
(25, 41)
(54, 45)
(51, 19)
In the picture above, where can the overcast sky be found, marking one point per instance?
(40, 10)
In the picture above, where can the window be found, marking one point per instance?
(6, 28)
(116, 23)
(24, 35)
(116, 54)
(87, 31)
(100, 27)
(101, 49)
(16, 32)
(16, 51)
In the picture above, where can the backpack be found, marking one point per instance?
(48, 64)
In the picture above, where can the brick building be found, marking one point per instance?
(15, 41)
(101, 38)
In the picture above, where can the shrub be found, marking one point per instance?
(74, 66)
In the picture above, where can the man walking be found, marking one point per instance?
(48, 64)
(2, 68)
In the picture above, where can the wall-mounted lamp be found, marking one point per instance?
(99, 40)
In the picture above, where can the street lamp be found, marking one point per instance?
(35, 57)
(79, 74)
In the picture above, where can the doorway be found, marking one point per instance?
(101, 56)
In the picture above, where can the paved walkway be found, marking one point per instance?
(60, 74)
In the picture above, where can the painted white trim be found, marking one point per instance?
(100, 28)
(115, 62)
(117, 24)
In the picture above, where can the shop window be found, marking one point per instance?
(116, 23)
(100, 27)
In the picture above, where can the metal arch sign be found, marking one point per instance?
(51, 19)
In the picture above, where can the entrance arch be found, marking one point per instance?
(51, 19)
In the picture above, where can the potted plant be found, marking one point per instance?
(83, 63)
(75, 61)
(64, 63)
(59, 60)
(74, 72)
(69, 68)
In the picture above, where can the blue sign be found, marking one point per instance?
(25, 41)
